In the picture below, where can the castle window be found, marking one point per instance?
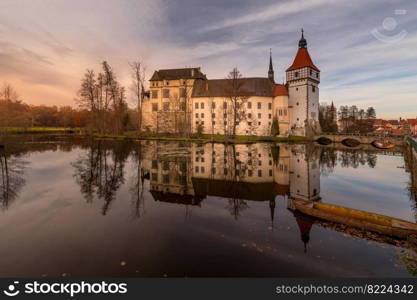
(165, 165)
(259, 105)
(166, 106)
(202, 115)
(259, 123)
(197, 159)
(197, 169)
(249, 123)
(182, 92)
(154, 106)
(214, 122)
(249, 104)
(317, 74)
(285, 112)
(202, 105)
(154, 94)
(196, 105)
(225, 105)
(296, 74)
(165, 178)
(154, 176)
(165, 93)
(249, 115)
(225, 116)
(213, 105)
(213, 171)
(196, 115)
(311, 72)
(202, 170)
(250, 172)
(269, 105)
(154, 164)
(259, 116)
(213, 115)
(270, 172)
(314, 89)
(269, 116)
(298, 103)
(259, 173)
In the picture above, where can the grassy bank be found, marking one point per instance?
(205, 138)
(34, 130)
(133, 135)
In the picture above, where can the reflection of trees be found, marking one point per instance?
(330, 158)
(100, 172)
(411, 167)
(238, 171)
(139, 175)
(11, 181)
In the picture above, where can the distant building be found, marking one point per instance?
(184, 99)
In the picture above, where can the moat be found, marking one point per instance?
(80, 207)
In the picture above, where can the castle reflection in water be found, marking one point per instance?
(257, 172)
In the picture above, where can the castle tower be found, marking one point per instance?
(271, 68)
(303, 79)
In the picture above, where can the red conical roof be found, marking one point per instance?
(302, 59)
(280, 90)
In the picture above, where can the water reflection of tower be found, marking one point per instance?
(304, 184)
(304, 174)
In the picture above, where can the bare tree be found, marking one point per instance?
(236, 98)
(138, 87)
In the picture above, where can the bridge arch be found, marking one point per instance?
(350, 142)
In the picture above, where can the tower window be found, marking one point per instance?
(196, 105)
(296, 89)
(259, 105)
(314, 89)
(311, 72)
(269, 105)
(298, 103)
(296, 74)
(249, 104)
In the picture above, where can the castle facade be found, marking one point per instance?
(184, 99)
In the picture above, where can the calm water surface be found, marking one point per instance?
(77, 207)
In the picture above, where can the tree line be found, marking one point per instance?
(347, 119)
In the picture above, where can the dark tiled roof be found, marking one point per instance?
(220, 87)
(173, 74)
(261, 191)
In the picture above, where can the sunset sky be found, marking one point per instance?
(366, 50)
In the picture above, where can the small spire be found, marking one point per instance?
(303, 42)
(271, 68)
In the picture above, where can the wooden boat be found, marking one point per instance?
(382, 145)
(356, 218)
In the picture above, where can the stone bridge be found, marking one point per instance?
(397, 140)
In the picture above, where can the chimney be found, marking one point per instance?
(192, 72)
